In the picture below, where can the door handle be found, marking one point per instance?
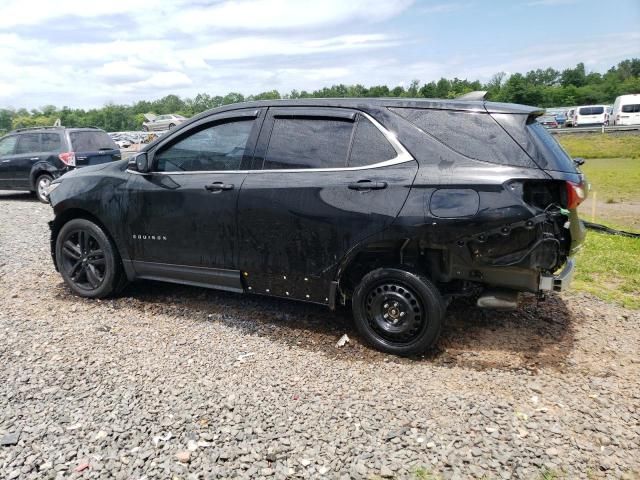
(218, 187)
(364, 185)
(34, 158)
(6, 161)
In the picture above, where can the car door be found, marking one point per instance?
(7, 147)
(182, 215)
(28, 152)
(325, 180)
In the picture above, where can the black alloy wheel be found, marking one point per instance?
(87, 259)
(397, 311)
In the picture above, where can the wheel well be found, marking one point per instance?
(37, 174)
(72, 214)
(404, 254)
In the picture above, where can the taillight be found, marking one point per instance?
(68, 158)
(576, 193)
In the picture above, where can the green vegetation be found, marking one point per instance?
(601, 145)
(545, 88)
(609, 265)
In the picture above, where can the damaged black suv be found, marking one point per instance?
(393, 206)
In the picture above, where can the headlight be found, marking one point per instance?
(52, 187)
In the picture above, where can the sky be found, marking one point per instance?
(83, 53)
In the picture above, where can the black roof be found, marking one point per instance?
(363, 102)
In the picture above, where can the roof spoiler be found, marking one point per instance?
(478, 95)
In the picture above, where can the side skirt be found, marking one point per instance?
(218, 278)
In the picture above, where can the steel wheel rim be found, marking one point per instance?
(43, 184)
(395, 313)
(83, 260)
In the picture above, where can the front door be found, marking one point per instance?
(28, 152)
(7, 147)
(182, 216)
(328, 179)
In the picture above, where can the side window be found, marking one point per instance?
(7, 145)
(369, 145)
(307, 142)
(51, 142)
(219, 147)
(474, 135)
(28, 143)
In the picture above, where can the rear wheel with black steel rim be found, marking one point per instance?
(87, 259)
(397, 311)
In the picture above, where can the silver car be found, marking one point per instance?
(161, 122)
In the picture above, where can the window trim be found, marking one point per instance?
(402, 154)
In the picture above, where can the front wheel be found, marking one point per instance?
(398, 312)
(87, 259)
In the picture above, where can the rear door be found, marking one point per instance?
(93, 147)
(325, 179)
(27, 153)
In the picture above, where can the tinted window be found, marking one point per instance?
(591, 110)
(631, 108)
(550, 151)
(308, 143)
(91, 141)
(7, 145)
(474, 135)
(50, 142)
(369, 145)
(28, 143)
(220, 147)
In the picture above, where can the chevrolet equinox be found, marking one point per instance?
(393, 206)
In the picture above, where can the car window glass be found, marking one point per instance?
(631, 108)
(91, 141)
(308, 143)
(28, 143)
(220, 147)
(7, 145)
(369, 145)
(50, 142)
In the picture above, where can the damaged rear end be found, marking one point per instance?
(503, 217)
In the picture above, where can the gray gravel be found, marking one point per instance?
(176, 382)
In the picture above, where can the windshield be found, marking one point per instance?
(91, 141)
(551, 156)
(591, 110)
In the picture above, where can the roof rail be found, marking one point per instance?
(24, 129)
(477, 95)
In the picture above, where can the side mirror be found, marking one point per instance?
(139, 163)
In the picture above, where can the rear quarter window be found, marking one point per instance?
(51, 142)
(91, 141)
(369, 145)
(474, 135)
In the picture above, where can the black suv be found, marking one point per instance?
(30, 158)
(394, 206)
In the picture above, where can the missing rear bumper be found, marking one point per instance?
(559, 282)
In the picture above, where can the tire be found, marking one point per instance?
(42, 183)
(88, 260)
(145, 128)
(171, 125)
(398, 312)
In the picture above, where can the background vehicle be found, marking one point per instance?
(591, 115)
(626, 110)
(162, 122)
(30, 158)
(548, 121)
(317, 200)
(570, 120)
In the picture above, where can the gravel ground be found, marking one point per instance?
(177, 382)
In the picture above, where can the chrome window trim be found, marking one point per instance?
(402, 156)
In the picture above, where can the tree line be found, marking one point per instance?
(543, 88)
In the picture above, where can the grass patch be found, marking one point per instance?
(615, 179)
(608, 266)
(601, 145)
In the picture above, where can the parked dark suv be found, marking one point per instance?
(30, 158)
(394, 206)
